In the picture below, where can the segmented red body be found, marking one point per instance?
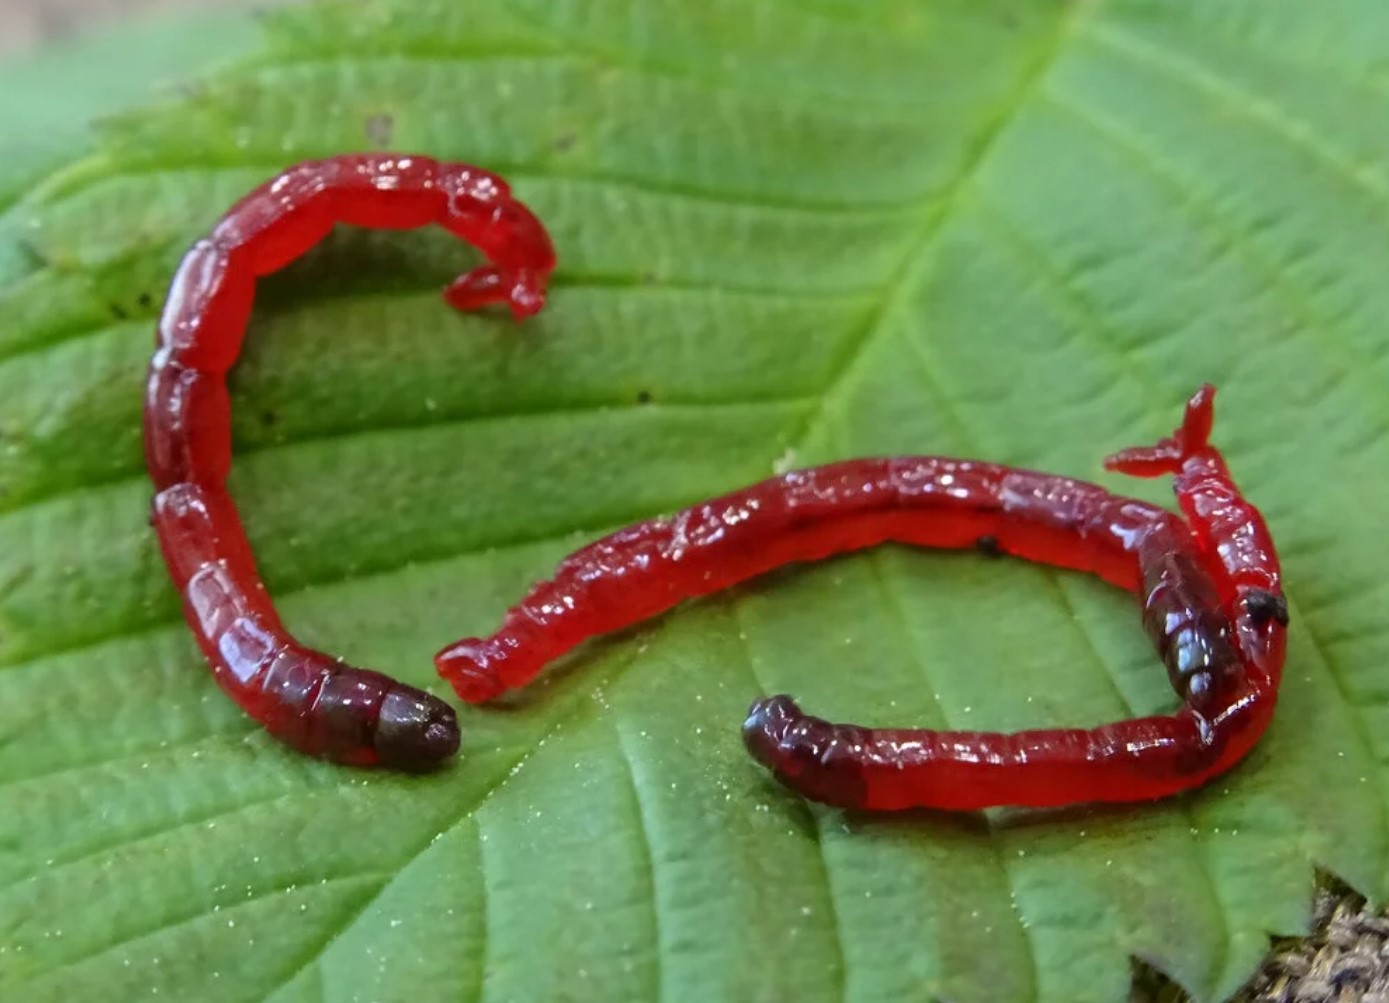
(304, 697)
(1209, 587)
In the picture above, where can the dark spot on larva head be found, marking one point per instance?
(643, 396)
(564, 142)
(415, 731)
(1264, 606)
(146, 301)
(118, 311)
(987, 545)
(379, 129)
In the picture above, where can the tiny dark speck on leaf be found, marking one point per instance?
(269, 417)
(379, 129)
(564, 142)
(118, 311)
(192, 90)
(146, 300)
(643, 396)
(650, 278)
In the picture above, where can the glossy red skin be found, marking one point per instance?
(306, 698)
(1194, 579)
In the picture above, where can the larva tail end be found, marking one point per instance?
(523, 292)
(481, 287)
(1168, 455)
(465, 666)
(526, 299)
(415, 731)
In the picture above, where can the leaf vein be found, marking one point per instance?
(936, 213)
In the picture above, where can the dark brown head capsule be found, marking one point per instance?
(357, 716)
(415, 731)
(1182, 614)
(807, 754)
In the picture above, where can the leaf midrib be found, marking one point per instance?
(937, 213)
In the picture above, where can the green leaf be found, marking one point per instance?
(798, 232)
(65, 86)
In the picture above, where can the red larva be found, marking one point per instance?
(1209, 587)
(306, 698)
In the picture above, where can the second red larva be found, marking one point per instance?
(1214, 610)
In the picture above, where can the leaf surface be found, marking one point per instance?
(788, 233)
